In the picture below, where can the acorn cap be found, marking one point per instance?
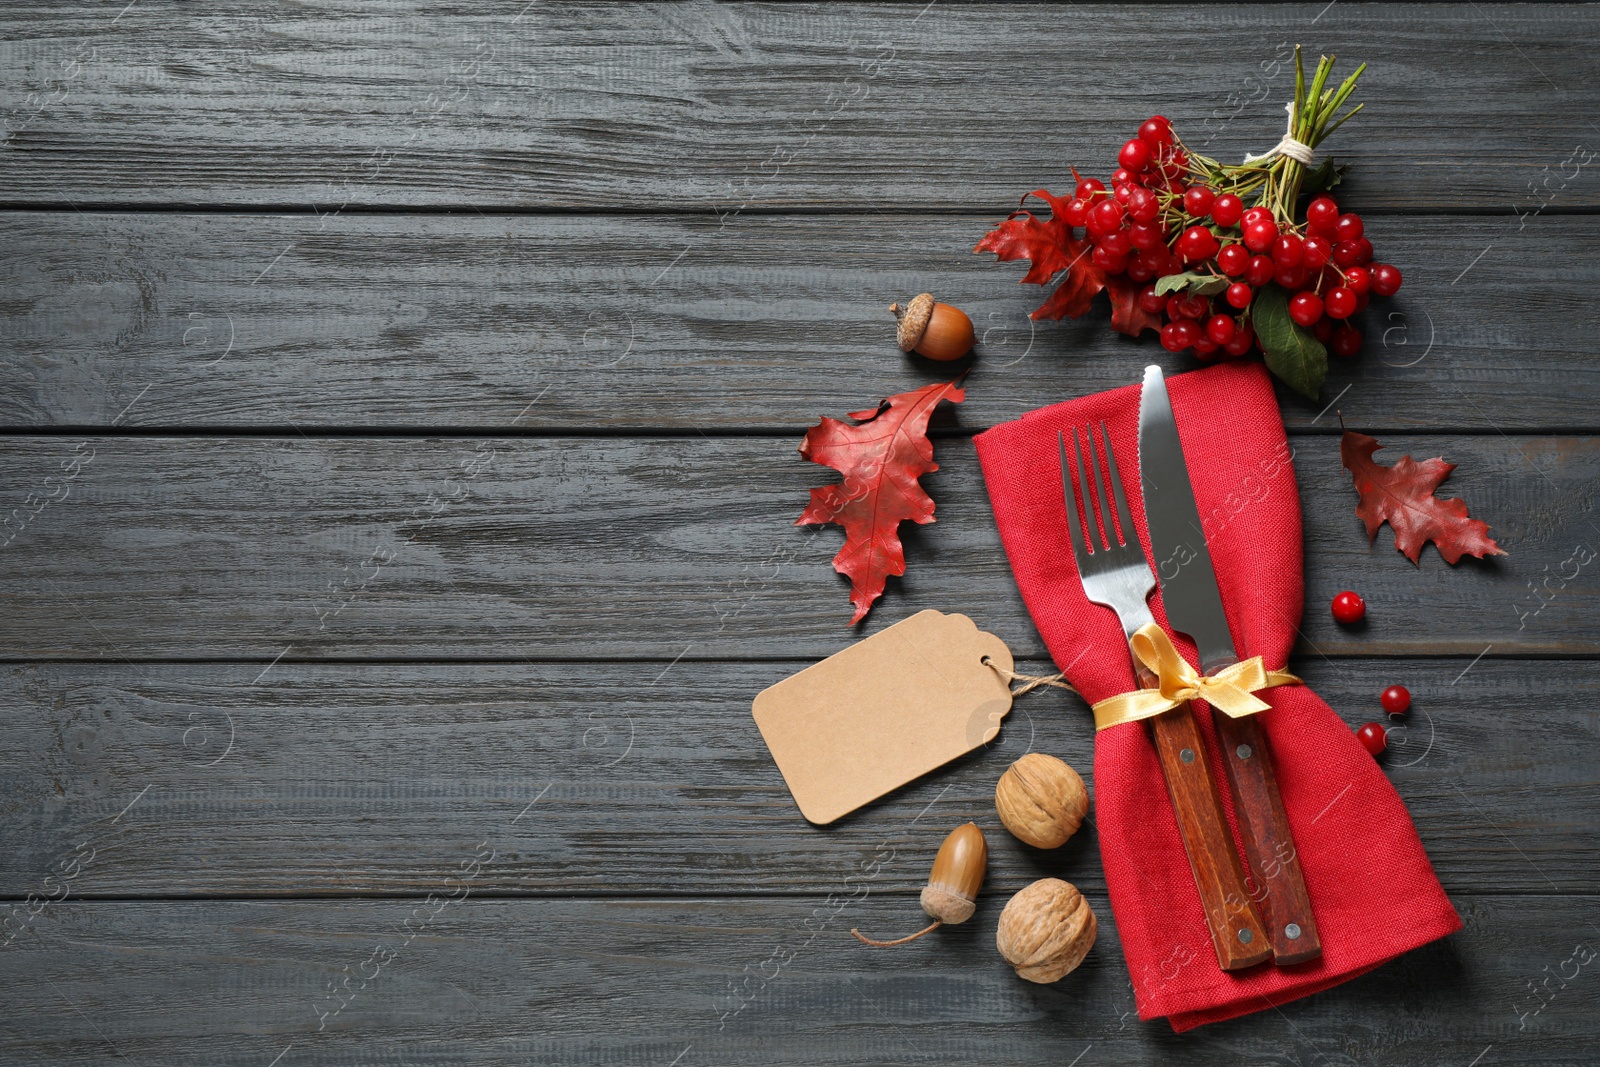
(914, 318)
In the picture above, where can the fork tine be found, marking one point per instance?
(1091, 515)
(1124, 520)
(1108, 531)
(1069, 493)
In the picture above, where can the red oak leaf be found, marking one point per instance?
(1402, 496)
(1048, 244)
(1126, 314)
(881, 459)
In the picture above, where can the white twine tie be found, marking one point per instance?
(1296, 150)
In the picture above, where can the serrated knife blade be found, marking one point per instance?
(1177, 540)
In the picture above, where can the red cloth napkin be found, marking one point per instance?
(1372, 889)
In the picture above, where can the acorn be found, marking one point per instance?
(938, 331)
(952, 891)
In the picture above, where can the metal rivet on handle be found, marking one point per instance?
(1292, 931)
(1187, 755)
(1245, 936)
(1243, 751)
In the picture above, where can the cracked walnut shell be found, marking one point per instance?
(1046, 930)
(1041, 800)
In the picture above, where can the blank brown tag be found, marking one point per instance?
(883, 712)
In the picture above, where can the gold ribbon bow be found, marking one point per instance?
(1231, 689)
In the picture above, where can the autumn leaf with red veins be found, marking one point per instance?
(1402, 496)
(881, 458)
(1050, 248)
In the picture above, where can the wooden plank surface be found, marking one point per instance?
(725, 982)
(604, 548)
(738, 108)
(629, 779)
(614, 324)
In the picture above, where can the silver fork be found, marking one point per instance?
(1114, 573)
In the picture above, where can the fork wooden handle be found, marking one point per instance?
(1236, 931)
(1268, 843)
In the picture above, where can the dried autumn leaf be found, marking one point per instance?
(1126, 314)
(1402, 496)
(1048, 244)
(881, 459)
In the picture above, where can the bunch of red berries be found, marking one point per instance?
(1170, 216)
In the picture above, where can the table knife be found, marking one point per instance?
(1194, 606)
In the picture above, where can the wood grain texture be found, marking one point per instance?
(500, 982)
(613, 324)
(738, 108)
(219, 779)
(578, 548)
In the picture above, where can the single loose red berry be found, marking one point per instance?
(1305, 308)
(1358, 280)
(1220, 329)
(1288, 250)
(1259, 272)
(1233, 259)
(1199, 200)
(1373, 737)
(1349, 608)
(1395, 699)
(1239, 295)
(1156, 131)
(1135, 155)
(1321, 214)
(1227, 210)
(1340, 303)
(1385, 279)
(1150, 301)
(1089, 188)
(1349, 227)
(1260, 233)
(1316, 251)
(1346, 341)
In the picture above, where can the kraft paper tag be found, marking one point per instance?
(883, 712)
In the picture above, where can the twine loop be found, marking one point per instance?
(1031, 681)
(1296, 150)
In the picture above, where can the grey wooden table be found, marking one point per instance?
(399, 412)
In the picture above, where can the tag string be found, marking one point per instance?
(1031, 681)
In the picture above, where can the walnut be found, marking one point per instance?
(1046, 930)
(1041, 800)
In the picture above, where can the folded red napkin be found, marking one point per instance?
(1372, 889)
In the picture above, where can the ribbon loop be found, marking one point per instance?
(1232, 689)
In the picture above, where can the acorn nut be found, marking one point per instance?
(938, 331)
(1046, 930)
(1041, 800)
(952, 891)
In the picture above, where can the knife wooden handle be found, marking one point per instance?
(1268, 843)
(1236, 931)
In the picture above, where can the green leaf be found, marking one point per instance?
(1204, 284)
(1323, 178)
(1293, 354)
